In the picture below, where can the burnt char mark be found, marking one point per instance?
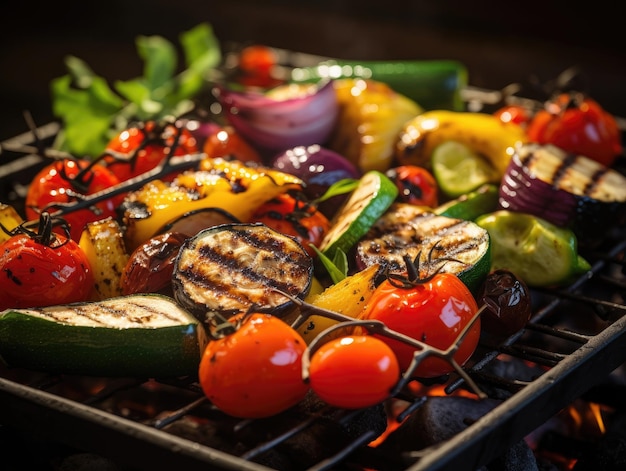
(221, 290)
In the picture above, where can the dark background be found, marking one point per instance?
(500, 42)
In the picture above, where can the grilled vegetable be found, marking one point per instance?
(437, 242)
(138, 335)
(103, 244)
(578, 124)
(434, 84)
(371, 115)
(231, 186)
(348, 297)
(371, 198)
(565, 189)
(233, 267)
(537, 251)
(9, 220)
(471, 205)
(485, 134)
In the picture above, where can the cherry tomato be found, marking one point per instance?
(578, 124)
(292, 216)
(65, 181)
(433, 311)
(142, 147)
(516, 114)
(42, 268)
(416, 185)
(354, 371)
(255, 371)
(225, 142)
(255, 64)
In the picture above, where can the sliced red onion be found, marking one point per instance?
(565, 189)
(274, 123)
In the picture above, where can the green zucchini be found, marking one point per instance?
(439, 242)
(143, 335)
(433, 84)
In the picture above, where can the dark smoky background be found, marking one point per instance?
(499, 42)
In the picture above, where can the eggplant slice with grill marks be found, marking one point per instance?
(235, 267)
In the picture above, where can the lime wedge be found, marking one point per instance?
(459, 170)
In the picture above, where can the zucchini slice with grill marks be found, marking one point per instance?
(231, 268)
(442, 243)
(143, 335)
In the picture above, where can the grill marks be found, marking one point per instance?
(455, 244)
(234, 267)
(575, 174)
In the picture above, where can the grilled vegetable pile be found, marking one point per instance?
(325, 224)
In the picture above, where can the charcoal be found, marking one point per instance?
(609, 454)
(87, 462)
(519, 457)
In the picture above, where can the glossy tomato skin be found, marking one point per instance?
(225, 142)
(292, 216)
(34, 274)
(579, 125)
(516, 114)
(256, 63)
(256, 371)
(416, 185)
(143, 146)
(354, 372)
(60, 180)
(434, 312)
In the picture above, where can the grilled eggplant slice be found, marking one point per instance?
(231, 268)
(145, 335)
(439, 243)
(567, 190)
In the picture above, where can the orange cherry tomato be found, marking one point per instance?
(256, 63)
(416, 185)
(66, 181)
(578, 124)
(434, 312)
(42, 268)
(143, 146)
(225, 142)
(289, 215)
(354, 371)
(516, 114)
(255, 371)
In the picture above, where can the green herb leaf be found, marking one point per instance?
(337, 268)
(340, 187)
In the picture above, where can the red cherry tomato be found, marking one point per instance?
(578, 124)
(292, 216)
(416, 185)
(42, 269)
(227, 143)
(354, 371)
(65, 181)
(434, 312)
(255, 64)
(516, 114)
(142, 147)
(256, 371)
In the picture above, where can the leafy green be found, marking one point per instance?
(91, 112)
(337, 268)
(340, 187)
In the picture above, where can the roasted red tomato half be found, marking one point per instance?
(67, 181)
(255, 369)
(41, 268)
(295, 217)
(225, 142)
(416, 185)
(256, 63)
(578, 124)
(433, 311)
(142, 147)
(354, 371)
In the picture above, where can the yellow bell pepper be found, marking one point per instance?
(230, 185)
(10, 219)
(483, 133)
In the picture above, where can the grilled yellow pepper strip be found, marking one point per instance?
(218, 183)
(483, 133)
(10, 219)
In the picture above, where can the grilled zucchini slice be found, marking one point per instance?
(146, 335)
(233, 267)
(440, 243)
